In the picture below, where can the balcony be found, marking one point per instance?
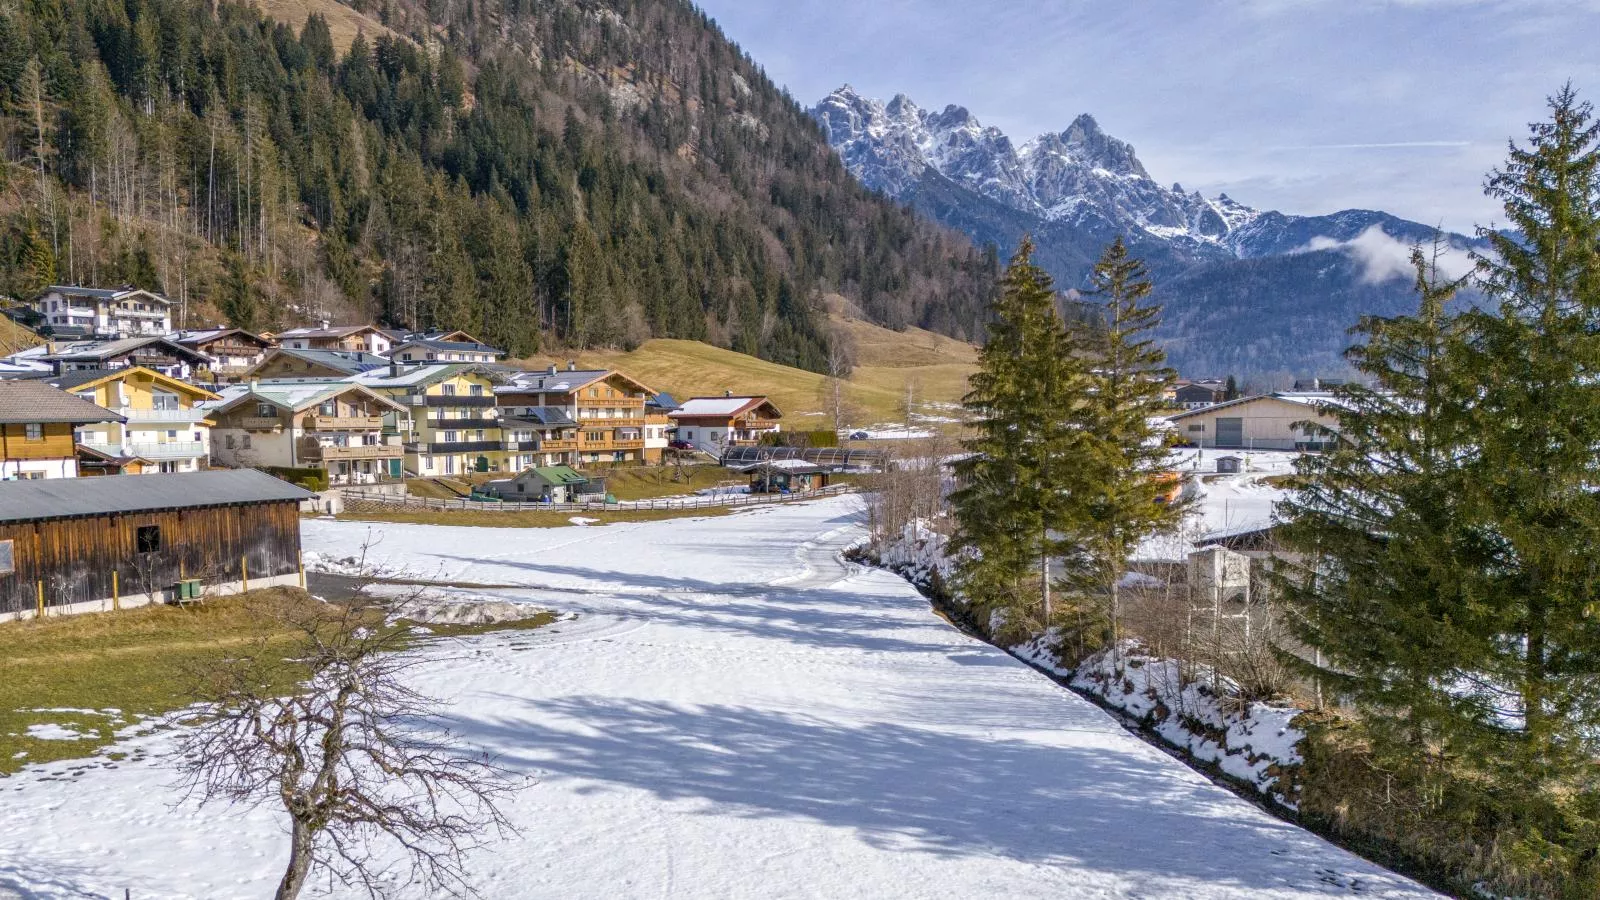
(465, 422)
(169, 450)
(161, 415)
(555, 445)
(602, 446)
(459, 447)
(359, 451)
(615, 422)
(344, 423)
(458, 401)
(612, 403)
(261, 423)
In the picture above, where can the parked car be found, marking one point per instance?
(859, 436)
(680, 445)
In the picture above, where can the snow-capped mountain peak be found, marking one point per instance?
(1079, 171)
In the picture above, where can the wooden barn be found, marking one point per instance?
(87, 544)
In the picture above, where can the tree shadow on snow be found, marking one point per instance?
(1090, 804)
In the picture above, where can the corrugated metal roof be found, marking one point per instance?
(60, 498)
(350, 362)
(24, 401)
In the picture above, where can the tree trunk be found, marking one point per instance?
(294, 877)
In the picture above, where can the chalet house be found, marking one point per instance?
(91, 544)
(359, 338)
(608, 406)
(163, 428)
(156, 353)
(103, 312)
(232, 351)
(36, 430)
(417, 351)
(281, 362)
(454, 424)
(542, 484)
(348, 430)
(541, 436)
(786, 476)
(1284, 421)
(714, 424)
(1196, 394)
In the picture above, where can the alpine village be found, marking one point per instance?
(514, 449)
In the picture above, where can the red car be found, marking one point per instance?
(680, 445)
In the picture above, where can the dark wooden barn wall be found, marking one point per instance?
(75, 557)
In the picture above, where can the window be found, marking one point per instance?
(33, 431)
(328, 408)
(8, 561)
(247, 442)
(266, 411)
(448, 390)
(231, 442)
(477, 390)
(1198, 426)
(163, 400)
(147, 538)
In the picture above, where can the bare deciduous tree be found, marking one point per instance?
(356, 759)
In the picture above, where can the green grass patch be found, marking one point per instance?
(651, 482)
(97, 673)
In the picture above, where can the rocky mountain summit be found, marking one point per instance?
(1285, 287)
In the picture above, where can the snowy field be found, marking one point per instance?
(733, 713)
(1222, 502)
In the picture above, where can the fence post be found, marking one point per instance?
(116, 596)
(244, 574)
(40, 613)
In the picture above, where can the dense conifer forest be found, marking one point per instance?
(559, 173)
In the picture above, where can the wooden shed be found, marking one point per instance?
(87, 544)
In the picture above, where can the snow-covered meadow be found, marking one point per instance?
(725, 710)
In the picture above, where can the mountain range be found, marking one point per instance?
(1249, 292)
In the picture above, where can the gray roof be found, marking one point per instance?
(71, 290)
(453, 346)
(100, 351)
(560, 381)
(61, 498)
(350, 362)
(28, 401)
(69, 380)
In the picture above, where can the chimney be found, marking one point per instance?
(727, 393)
(394, 369)
(572, 365)
(324, 324)
(255, 384)
(552, 369)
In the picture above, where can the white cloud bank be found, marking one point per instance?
(1383, 257)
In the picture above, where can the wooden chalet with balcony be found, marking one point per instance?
(348, 430)
(715, 424)
(232, 351)
(108, 313)
(163, 427)
(37, 423)
(156, 353)
(607, 406)
(281, 362)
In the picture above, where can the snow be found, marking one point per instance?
(713, 406)
(733, 713)
(53, 732)
(891, 432)
(1222, 503)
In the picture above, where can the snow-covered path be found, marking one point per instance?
(734, 713)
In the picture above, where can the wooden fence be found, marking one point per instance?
(362, 499)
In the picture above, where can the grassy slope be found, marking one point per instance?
(886, 361)
(343, 22)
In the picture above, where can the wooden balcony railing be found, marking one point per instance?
(344, 423)
(360, 451)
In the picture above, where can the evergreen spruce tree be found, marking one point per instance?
(1376, 523)
(1530, 493)
(1013, 501)
(1114, 497)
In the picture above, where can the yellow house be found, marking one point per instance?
(455, 425)
(162, 431)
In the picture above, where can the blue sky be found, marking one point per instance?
(1308, 106)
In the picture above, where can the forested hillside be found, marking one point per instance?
(563, 172)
